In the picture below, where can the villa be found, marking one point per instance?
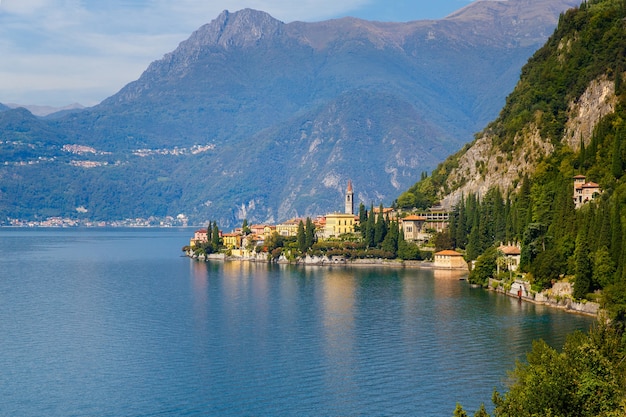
(584, 191)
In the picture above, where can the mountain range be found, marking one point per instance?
(254, 118)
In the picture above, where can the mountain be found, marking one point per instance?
(252, 117)
(565, 92)
(48, 110)
(549, 174)
(550, 171)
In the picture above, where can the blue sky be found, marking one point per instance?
(57, 52)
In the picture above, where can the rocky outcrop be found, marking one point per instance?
(596, 102)
(484, 165)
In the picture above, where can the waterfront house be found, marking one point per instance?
(511, 256)
(232, 240)
(449, 259)
(199, 236)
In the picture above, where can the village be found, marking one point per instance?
(416, 227)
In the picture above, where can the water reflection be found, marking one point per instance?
(338, 303)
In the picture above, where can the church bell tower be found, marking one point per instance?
(349, 199)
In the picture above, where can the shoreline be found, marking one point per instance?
(520, 290)
(334, 261)
(554, 297)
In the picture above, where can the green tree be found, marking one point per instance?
(245, 229)
(380, 228)
(584, 380)
(408, 250)
(362, 218)
(390, 242)
(485, 267)
(301, 237)
(603, 268)
(459, 412)
(582, 283)
(370, 231)
(481, 412)
(443, 241)
(309, 233)
(215, 236)
(209, 232)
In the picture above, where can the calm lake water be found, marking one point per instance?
(116, 323)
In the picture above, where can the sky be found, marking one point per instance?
(59, 52)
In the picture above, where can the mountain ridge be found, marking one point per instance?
(246, 87)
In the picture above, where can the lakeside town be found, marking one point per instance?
(333, 232)
(408, 239)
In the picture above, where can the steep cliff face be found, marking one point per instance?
(566, 91)
(484, 165)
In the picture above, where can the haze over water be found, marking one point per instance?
(115, 322)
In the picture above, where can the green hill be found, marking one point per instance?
(566, 117)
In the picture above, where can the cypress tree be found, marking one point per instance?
(390, 242)
(301, 237)
(380, 227)
(370, 227)
(309, 233)
(582, 285)
(215, 238)
(362, 218)
(617, 166)
(473, 244)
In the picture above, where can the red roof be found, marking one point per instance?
(413, 217)
(448, 253)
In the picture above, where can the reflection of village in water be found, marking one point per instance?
(416, 226)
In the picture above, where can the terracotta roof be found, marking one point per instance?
(413, 217)
(449, 253)
(349, 186)
(579, 177)
(510, 250)
(590, 185)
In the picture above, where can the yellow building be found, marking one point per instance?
(288, 228)
(338, 224)
(449, 259)
(232, 240)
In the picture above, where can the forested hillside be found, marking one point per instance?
(530, 154)
(566, 117)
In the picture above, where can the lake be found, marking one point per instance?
(115, 322)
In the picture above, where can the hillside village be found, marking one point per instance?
(416, 227)
(257, 242)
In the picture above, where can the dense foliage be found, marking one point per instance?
(585, 244)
